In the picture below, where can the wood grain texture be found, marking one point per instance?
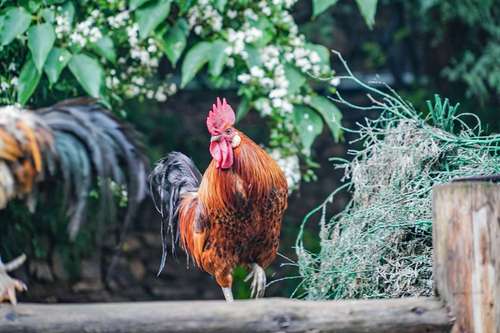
(467, 253)
(267, 315)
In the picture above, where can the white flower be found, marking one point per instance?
(249, 13)
(335, 82)
(287, 107)
(160, 96)
(267, 82)
(244, 78)
(263, 106)
(290, 166)
(277, 93)
(277, 103)
(256, 72)
(231, 13)
(198, 29)
(314, 57)
(172, 88)
(152, 48)
(281, 81)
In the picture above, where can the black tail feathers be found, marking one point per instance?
(172, 176)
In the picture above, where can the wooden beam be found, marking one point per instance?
(267, 315)
(467, 253)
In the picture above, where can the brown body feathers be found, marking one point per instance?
(235, 217)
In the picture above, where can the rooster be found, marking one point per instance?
(78, 144)
(232, 215)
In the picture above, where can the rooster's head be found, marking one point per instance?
(224, 137)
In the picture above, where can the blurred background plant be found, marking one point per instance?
(113, 51)
(159, 65)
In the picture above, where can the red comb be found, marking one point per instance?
(220, 117)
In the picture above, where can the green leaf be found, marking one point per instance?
(56, 62)
(184, 6)
(175, 40)
(16, 20)
(40, 41)
(268, 31)
(319, 6)
(31, 5)
(309, 125)
(218, 57)
(330, 113)
(54, 2)
(243, 109)
(105, 48)
(368, 9)
(195, 59)
(28, 81)
(88, 72)
(151, 15)
(68, 10)
(295, 79)
(220, 5)
(323, 52)
(134, 4)
(48, 15)
(253, 56)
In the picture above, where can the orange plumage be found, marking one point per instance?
(232, 216)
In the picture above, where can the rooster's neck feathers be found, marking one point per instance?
(253, 167)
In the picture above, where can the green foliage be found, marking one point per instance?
(476, 59)
(175, 40)
(309, 125)
(368, 8)
(151, 15)
(195, 59)
(113, 50)
(319, 6)
(331, 114)
(56, 61)
(13, 22)
(28, 80)
(40, 42)
(105, 48)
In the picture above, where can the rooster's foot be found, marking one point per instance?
(8, 285)
(259, 281)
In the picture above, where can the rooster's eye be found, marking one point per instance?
(228, 131)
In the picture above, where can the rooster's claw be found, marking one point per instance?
(8, 285)
(259, 281)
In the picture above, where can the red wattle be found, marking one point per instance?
(222, 153)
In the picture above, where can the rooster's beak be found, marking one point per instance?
(215, 138)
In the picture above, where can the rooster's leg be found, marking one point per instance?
(228, 294)
(224, 279)
(259, 281)
(8, 285)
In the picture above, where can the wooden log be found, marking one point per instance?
(467, 253)
(267, 315)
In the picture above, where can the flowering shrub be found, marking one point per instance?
(112, 50)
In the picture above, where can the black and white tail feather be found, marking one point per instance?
(172, 177)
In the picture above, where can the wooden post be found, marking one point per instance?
(467, 253)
